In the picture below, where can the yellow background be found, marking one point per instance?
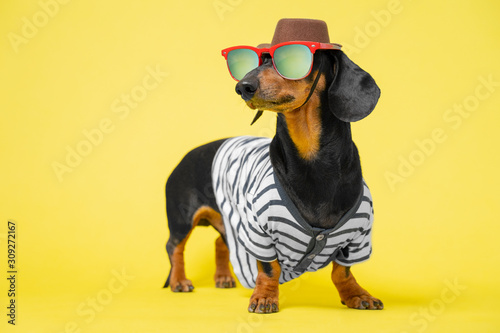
(436, 226)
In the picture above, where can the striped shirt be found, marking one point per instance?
(263, 224)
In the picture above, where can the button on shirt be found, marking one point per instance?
(263, 224)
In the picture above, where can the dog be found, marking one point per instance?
(288, 205)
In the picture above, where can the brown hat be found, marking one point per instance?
(308, 30)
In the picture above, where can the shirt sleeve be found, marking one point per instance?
(360, 248)
(252, 234)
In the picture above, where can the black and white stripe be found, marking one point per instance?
(263, 224)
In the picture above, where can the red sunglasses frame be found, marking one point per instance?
(313, 46)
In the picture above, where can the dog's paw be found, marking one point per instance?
(263, 304)
(181, 286)
(224, 281)
(363, 302)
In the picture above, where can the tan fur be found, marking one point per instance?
(223, 277)
(265, 297)
(303, 121)
(351, 293)
(304, 125)
(178, 280)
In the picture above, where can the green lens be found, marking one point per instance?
(242, 61)
(293, 61)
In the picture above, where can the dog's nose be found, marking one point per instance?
(247, 88)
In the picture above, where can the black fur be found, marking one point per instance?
(267, 268)
(353, 93)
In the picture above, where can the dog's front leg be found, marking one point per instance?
(351, 293)
(265, 297)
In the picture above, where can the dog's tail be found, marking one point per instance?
(167, 283)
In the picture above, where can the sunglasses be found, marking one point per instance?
(292, 60)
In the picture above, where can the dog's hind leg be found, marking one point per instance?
(181, 224)
(175, 249)
(223, 277)
(177, 277)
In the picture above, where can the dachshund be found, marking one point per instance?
(316, 166)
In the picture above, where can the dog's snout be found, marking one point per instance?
(247, 88)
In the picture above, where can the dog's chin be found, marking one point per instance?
(281, 105)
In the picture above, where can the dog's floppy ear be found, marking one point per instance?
(353, 93)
